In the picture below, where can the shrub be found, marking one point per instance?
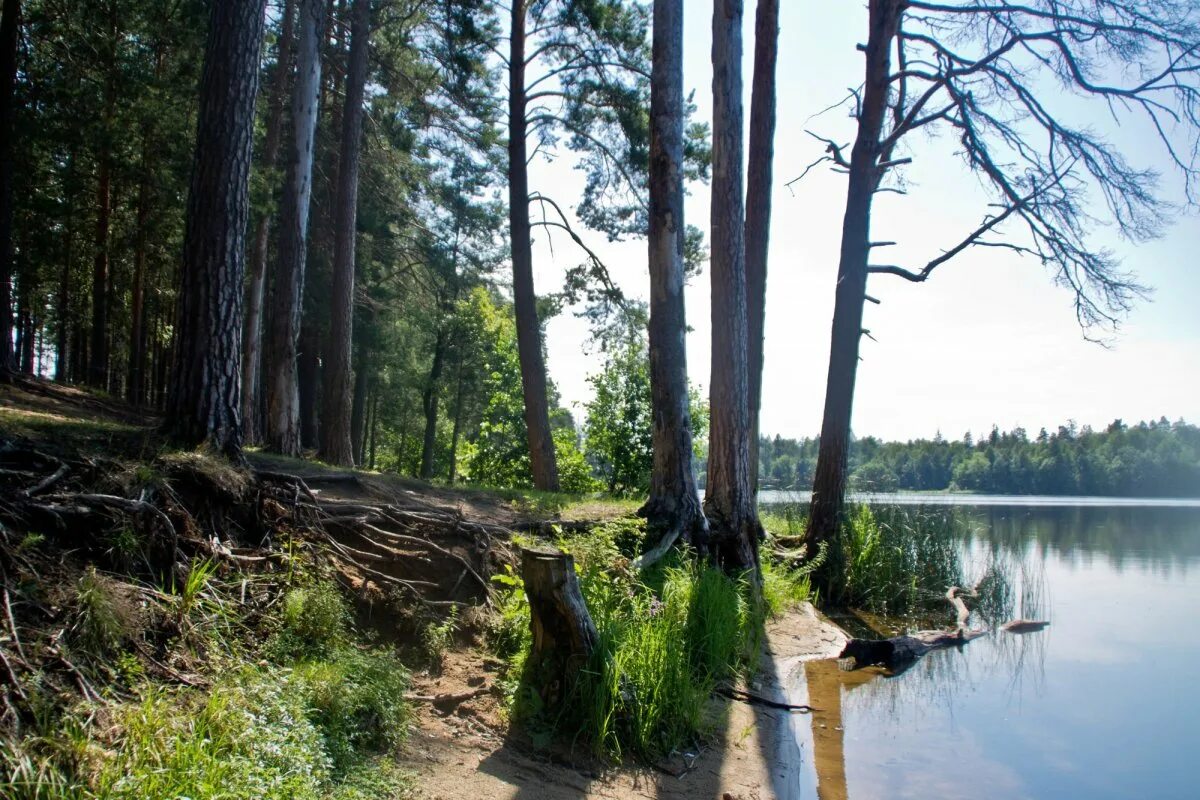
(103, 619)
(314, 622)
(356, 701)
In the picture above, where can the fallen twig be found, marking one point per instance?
(755, 699)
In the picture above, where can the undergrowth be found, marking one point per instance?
(667, 637)
(310, 713)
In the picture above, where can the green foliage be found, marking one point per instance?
(508, 633)
(436, 638)
(315, 620)
(900, 560)
(1150, 459)
(317, 728)
(250, 738)
(28, 774)
(356, 701)
(666, 638)
(574, 472)
(619, 434)
(784, 587)
(102, 619)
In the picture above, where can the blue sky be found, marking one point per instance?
(988, 339)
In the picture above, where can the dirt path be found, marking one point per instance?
(466, 752)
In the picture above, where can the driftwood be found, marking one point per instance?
(1024, 626)
(564, 635)
(898, 653)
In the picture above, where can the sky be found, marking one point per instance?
(988, 339)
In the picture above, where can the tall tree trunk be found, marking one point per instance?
(758, 205)
(205, 394)
(336, 444)
(98, 357)
(63, 314)
(829, 484)
(728, 497)
(358, 409)
(9, 37)
(452, 469)
(283, 400)
(529, 339)
(374, 427)
(429, 404)
(674, 504)
(308, 378)
(78, 351)
(252, 335)
(137, 333)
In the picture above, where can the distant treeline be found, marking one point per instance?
(1150, 459)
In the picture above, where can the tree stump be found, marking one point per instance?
(564, 635)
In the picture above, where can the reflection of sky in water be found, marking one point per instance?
(1101, 704)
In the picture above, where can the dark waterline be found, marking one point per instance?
(1102, 704)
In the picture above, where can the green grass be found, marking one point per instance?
(667, 637)
(898, 561)
(313, 713)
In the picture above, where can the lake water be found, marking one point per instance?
(1102, 704)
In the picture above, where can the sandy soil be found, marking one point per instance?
(466, 751)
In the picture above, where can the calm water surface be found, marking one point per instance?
(1102, 704)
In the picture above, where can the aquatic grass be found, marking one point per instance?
(896, 560)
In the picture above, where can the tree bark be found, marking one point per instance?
(283, 401)
(529, 336)
(308, 380)
(829, 483)
(10, 20)
(253, 333)
(374, 427)
(673, 507)
(63, 312)
(452, 469)
(728, 497)
(758, 206)
(137, 333)
(564, 635)
(429, 404)
(336, 444)
(358, 410)
(204, 399)
(98, 355)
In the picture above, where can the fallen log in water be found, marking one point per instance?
(1024, 626)
(900, 652)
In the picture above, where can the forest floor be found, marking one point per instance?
(446, 542)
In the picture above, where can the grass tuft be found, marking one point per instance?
(667, 637)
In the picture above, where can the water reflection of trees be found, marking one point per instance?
(1164, 541)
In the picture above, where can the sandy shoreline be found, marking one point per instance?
(757, 753)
